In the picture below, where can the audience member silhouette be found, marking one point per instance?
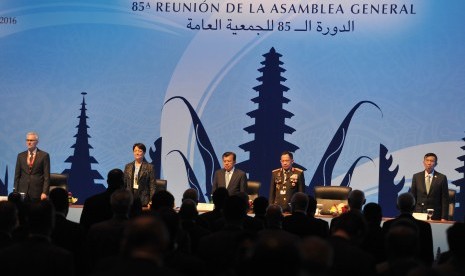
(188, 215)
(162, 199)
(97, 208)
(37, 255)
(297, 222)
(179, 255)
(323, 225)
(374, 238)
(66, 234)
(274, 255)
(406, 206)
(356, 200)
(402, 244)
(8, 222)
(274, 217)
(349, 259)
(20, 232)
(219, 198)
(219, 250)
(104, 238)
(259, 209)
(317, 255)
(144, 246)
(454, 264)
(191, 194)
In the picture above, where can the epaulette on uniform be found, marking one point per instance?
(297, 169)
(276, 170)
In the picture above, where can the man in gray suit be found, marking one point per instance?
(32, 173)
(430, 189)
(234, 180)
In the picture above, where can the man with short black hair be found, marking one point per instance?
(233, 179)
(430, 189)
(285, 182)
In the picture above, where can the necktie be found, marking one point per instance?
(31, 160)
(228, 177)
(428, 183)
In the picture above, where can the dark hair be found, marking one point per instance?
(288, 153)
(162, 199)
(59, 199)
(228, 153)
(373, 213)
(115, 179)
(140, 146)
(219, 197)
(431, 154)
(260, 204)
(192, 194)
(8, 216)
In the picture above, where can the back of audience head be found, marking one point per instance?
(299, 202)
(146, 237)
(8, 217)
(41, 218)
(162, 199)
(191, 194)
(456, 239)
(59, 199)
(121, 202)
(15, 197)
(245, 199)
(402, 240)
(406, 203)
(171, 220)
(275, 255)
(259, 205)
(311, 209)
(373, 213)
(274, 216)
(188, 210)
(351, 225)
(356, 200)
(317, 255)
(234, 209)
(115, 179)
(219, 197)
(17, 200)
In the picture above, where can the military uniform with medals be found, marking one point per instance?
(284, 184)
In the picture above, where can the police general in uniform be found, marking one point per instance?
(285, 182)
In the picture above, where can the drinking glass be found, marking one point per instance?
(429, 213)
(319, 207)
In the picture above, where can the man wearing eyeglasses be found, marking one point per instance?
(32, 173)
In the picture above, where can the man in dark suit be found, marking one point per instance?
(97, 208)
(32, 173)
(406, 205)
(430, 189)
(298, 222)
(285, 182)
(234, 180)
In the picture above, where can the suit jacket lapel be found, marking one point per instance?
(234, 174)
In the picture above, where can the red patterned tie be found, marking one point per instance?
(31, 160)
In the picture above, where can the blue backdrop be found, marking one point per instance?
(345, 85)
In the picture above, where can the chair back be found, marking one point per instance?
(161, 185)
(253, 187)
(451, 204)
(329, 196)
(58, 180)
